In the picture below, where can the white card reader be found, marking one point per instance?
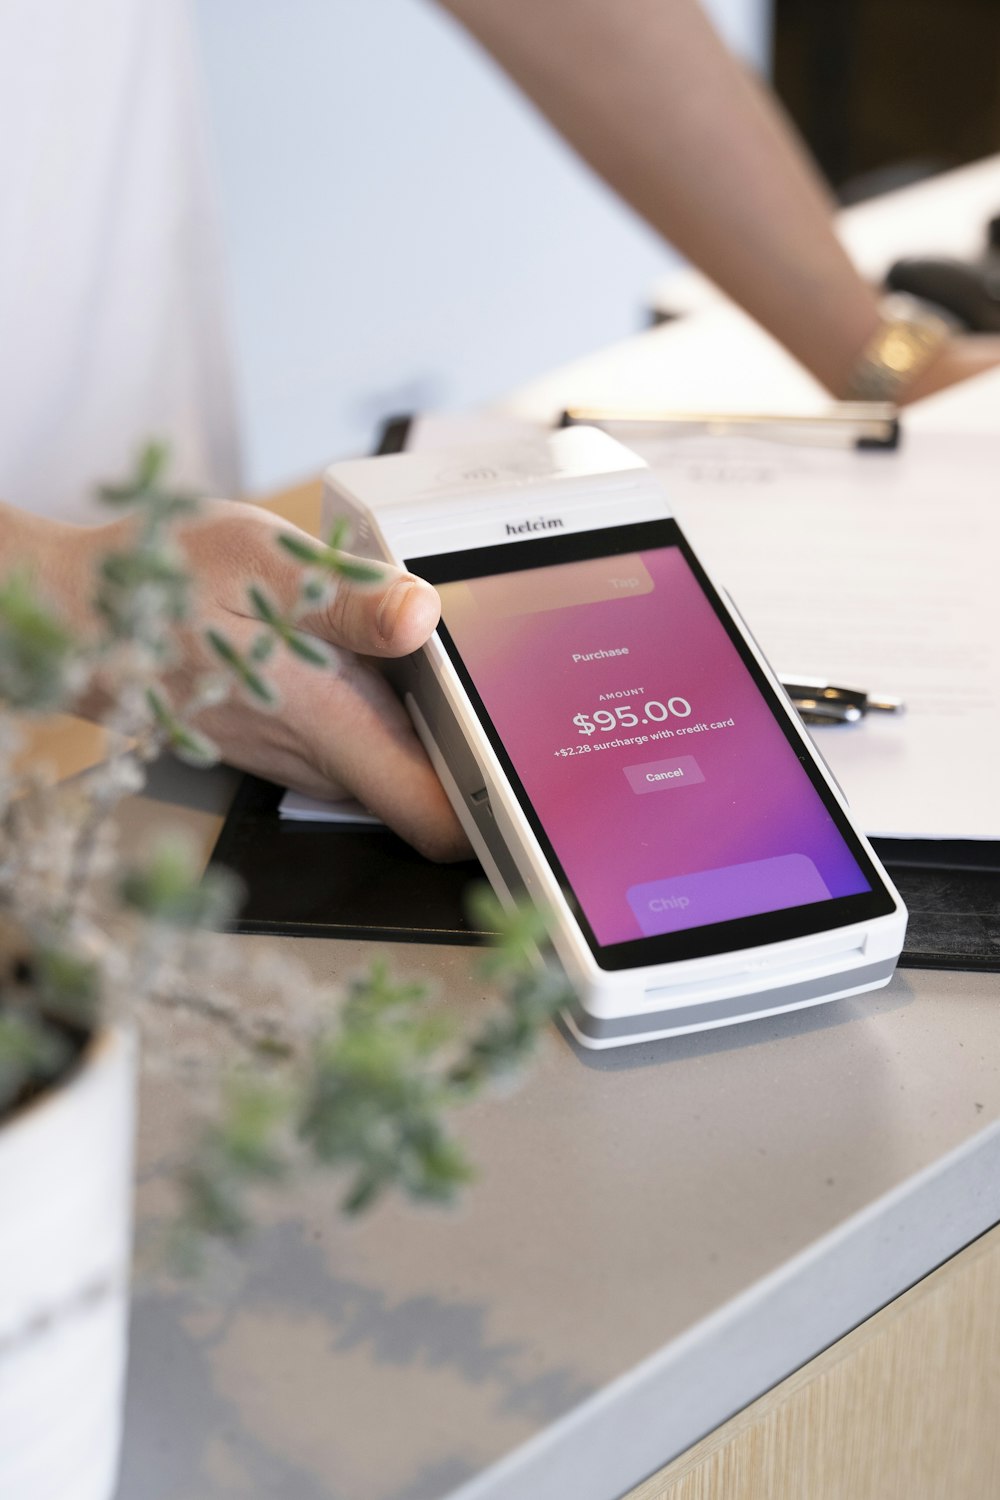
(614, 743)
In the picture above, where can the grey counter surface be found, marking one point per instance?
(658, 1234)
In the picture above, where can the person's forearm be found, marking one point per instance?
(649, 95)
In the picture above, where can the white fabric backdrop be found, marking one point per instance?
(363, 276)
(112, 326)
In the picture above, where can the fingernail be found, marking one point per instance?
(387, 614)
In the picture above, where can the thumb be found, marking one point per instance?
(389, 617)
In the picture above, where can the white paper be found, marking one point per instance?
(302, 809)
(875, 570)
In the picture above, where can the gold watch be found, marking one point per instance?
(903, 345)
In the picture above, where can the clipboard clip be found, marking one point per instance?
(844, 424)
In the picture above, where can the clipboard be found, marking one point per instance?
(952, 891)
(324, 880)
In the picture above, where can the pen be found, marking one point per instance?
(821, 702)
(861, 424)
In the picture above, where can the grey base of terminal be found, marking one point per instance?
(703, 1015)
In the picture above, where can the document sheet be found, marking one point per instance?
(876, 570)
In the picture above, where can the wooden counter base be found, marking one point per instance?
(902, 1408)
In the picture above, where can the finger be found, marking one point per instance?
(338, 728)
(378, 757)
(233, 547)
(343, 734)
(391, 617)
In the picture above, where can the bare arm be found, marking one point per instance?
(649, 95)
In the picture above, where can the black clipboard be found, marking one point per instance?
(952, 891)
(327, 880)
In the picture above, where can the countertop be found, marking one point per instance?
(658, 1234)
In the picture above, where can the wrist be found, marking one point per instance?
(899, 356)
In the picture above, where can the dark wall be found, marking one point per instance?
(890, 86)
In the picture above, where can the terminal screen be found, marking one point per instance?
(653, 754)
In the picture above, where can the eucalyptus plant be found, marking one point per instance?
(369, 1089)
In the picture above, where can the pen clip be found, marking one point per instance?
(827, 711)
(822, 702)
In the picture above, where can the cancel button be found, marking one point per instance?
(657, 775)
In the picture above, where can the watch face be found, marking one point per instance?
(902, 347)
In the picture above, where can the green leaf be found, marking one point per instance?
(284, 629)
(131, 570)
(303, 550)
(37, 652)
(259, 689)
(224, 649)
(376, 993)
(355, 571)
(263, 647)
(151, 465)
(159, 707)
(189, 745)
(264, 609)
(244, 1147)
(168, 888)
(339, 534)
(519, 933)
(32, 1053)
(213, 1205)
(315, 590)
(149, 468)
(309, 650)
(331, 559)
(66, 986)
(241, 668)
(378, 1095)
(255, 1111)
(142, 591)
(193, 748)
(368, 1187)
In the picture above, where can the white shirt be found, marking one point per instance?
(112, 322)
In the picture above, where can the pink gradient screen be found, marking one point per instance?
(667, 789)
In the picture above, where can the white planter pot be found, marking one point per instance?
(65, 1245)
